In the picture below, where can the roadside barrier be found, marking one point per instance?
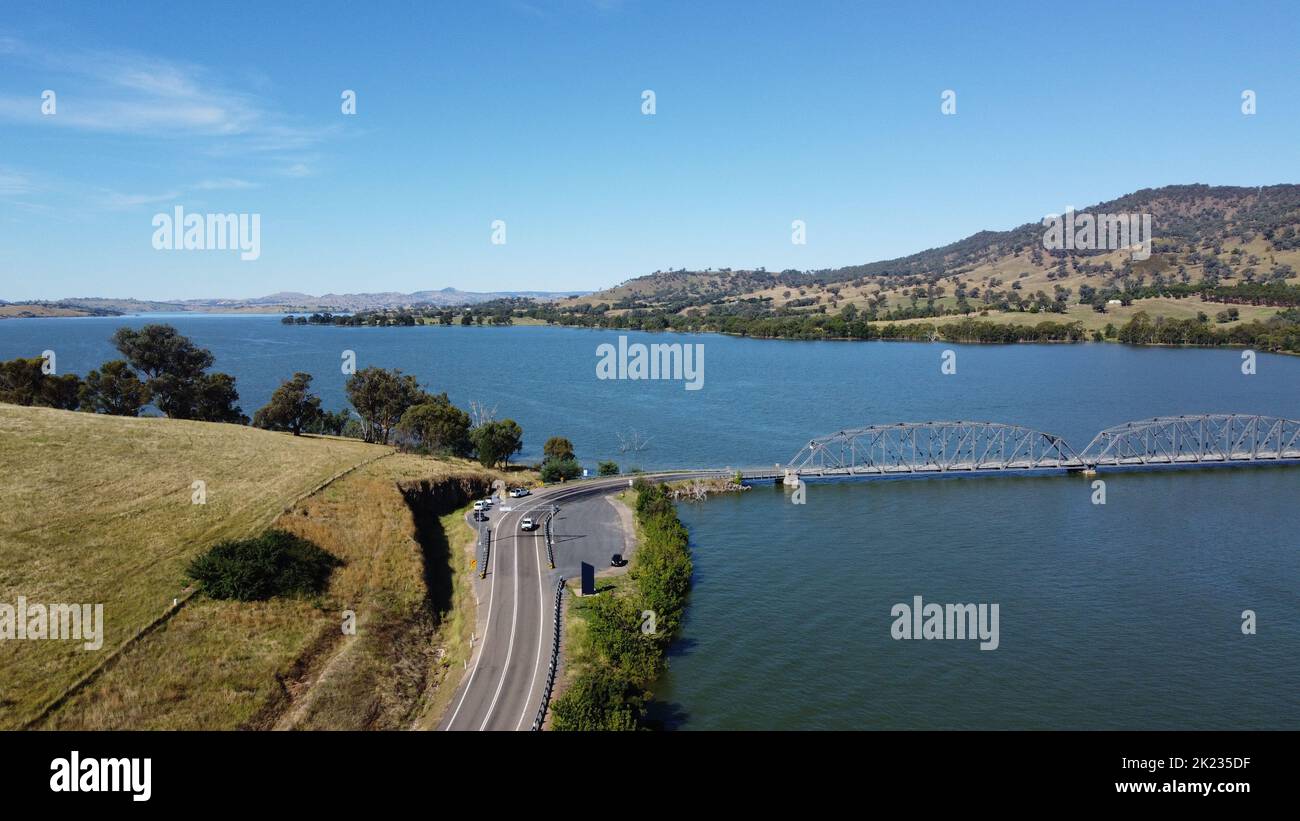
(550, 540)
(555, 657)
(487, 543)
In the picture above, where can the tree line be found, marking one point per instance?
(159, 366)
(162, 368)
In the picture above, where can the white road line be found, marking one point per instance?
(505, 668)
(541, 624)
(540, 505)
(483, 644)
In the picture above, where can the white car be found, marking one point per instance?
(526, 523)
(518, 492)
(479, 505)
(487, 503)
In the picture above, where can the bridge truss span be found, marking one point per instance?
(934, 448)
(1225, 438)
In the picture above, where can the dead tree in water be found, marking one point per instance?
(481, 414)
(697, 490)
(631, 442)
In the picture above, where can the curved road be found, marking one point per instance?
(507, 673)
(507, 670)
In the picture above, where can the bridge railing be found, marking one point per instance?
(935, 447)
(1205, 438)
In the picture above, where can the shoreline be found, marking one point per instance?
(536, 323)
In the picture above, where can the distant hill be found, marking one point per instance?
(1226, 232)
(272, 303)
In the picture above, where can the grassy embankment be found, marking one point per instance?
(99, 509)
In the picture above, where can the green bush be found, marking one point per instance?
(277, 563)
(553, 470)
(607, 468)
(614, 630)
(599, 699)
(610, 695)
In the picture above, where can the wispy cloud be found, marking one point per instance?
(13, 183)
(118, 201)
(225, 184)
(297, 170)
(129, 93)
(221, 122)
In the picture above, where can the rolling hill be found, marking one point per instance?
(1219, 234)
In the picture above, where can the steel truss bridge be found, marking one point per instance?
(989, 447)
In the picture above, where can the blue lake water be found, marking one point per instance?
(1123, 615)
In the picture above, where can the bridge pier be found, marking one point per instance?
(790, 479)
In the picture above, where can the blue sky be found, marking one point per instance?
(530, 112)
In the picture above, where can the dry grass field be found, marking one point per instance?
(98, 509)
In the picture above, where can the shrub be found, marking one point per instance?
(599, 699)
(277, 563)
(553, 470)
(607, 469)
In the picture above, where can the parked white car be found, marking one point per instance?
(479, 505)
(519, 492)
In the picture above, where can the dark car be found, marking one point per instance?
(617, 560)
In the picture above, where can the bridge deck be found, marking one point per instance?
(957, 447)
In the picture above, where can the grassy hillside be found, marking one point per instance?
(98, 509)
(1227, 235)
(286, 663)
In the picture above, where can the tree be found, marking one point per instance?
(23, 382)
(553, 470)
(496, 442)
(438, 426)
(216, 398)
(557, 447)
(63, 392)
(381, 396)
(292, 407)
(176, 374)
(607, 469)
(332, 423)
(114, 389)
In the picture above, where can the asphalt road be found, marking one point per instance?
(507, 670)
(515, 629)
